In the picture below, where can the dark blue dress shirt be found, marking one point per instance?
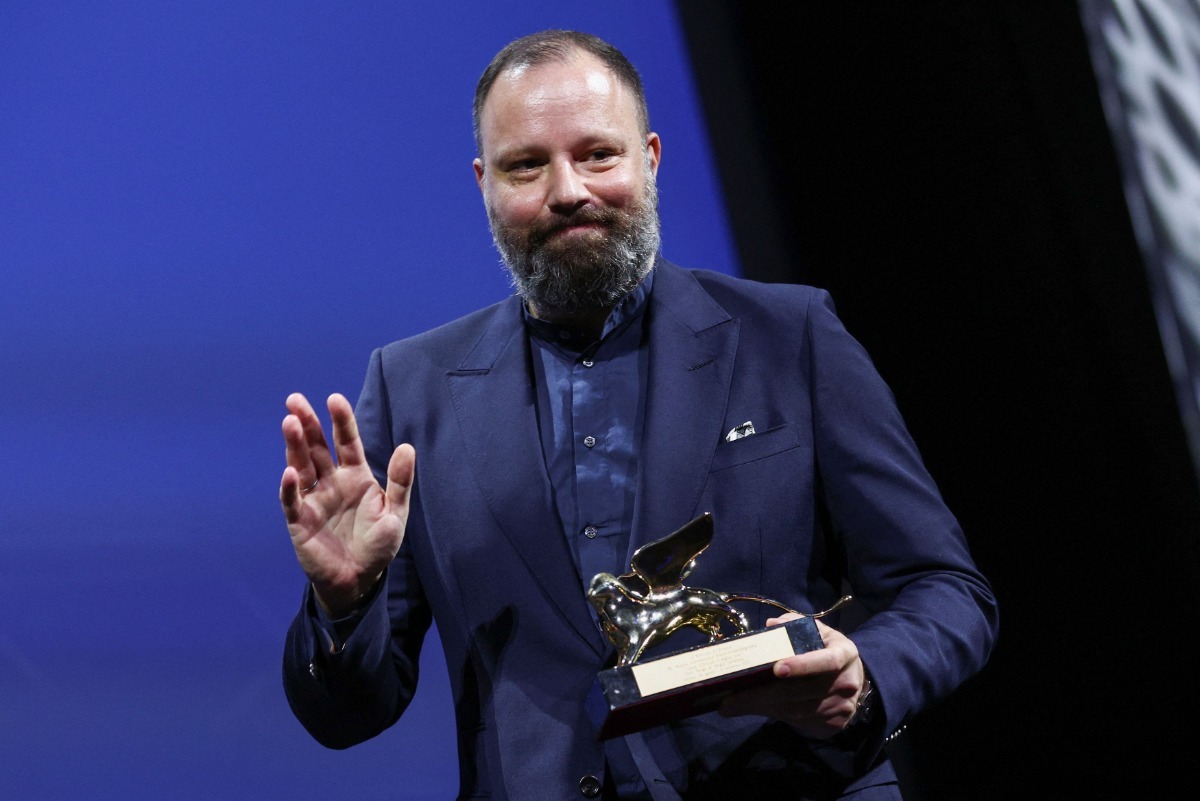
(590, 400)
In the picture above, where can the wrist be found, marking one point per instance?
(341, 604)
(864, 706)
(859, 727)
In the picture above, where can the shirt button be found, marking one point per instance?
(588, 363)
(589, 441)
(590, 532)
(589, 787)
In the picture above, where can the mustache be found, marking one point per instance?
(586, 216)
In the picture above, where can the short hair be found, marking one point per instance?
(555, 45)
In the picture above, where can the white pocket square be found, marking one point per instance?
(740, 432)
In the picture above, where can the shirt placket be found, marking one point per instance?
(593, 468)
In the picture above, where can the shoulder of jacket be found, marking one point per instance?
(449, 342)
(755, 302)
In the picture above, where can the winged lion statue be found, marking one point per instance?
(650, 603)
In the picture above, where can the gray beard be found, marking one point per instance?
(578, 276)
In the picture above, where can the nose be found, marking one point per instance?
(567, 189)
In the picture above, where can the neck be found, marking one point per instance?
(589, 323)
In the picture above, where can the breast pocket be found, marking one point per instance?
(756, 446)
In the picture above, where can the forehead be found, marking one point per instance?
(579, 94)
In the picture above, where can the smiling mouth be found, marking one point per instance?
(578, 225)
(578, 229)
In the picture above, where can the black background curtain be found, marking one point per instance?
(945, 170)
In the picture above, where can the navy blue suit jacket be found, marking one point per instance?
(830, 490)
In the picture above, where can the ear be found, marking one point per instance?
(654, 148)
(478, 165)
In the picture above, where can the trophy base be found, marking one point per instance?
(693, 681)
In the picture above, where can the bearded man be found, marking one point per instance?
(597, 410)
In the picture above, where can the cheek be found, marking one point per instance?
(619, 190)
(513, 207)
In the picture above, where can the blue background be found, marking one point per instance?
(203, 207)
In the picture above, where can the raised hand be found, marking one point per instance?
(344, 527)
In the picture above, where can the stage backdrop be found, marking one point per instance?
(1147, 61)
(203, 207)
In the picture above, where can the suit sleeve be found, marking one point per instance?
(932, 615)
(347, 697)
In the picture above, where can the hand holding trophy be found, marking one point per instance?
(650, 603)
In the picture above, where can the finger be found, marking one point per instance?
(402, 470)
(319, 453)
(289, 494)
(298, 456)
(784, 618)
(345, 432)
(837, 642)
(809, 708)
(825, 661)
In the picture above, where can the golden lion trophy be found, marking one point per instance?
(650, 603)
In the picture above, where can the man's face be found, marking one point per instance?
(568, 182)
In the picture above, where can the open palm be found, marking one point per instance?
(344, 527)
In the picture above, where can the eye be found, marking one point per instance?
(523, 169)
(600, 155)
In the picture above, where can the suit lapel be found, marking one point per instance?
(495, 406)
(693, 343)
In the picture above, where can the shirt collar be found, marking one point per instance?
(629, 308)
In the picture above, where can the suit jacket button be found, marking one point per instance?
(315, 671)
(589, 787)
